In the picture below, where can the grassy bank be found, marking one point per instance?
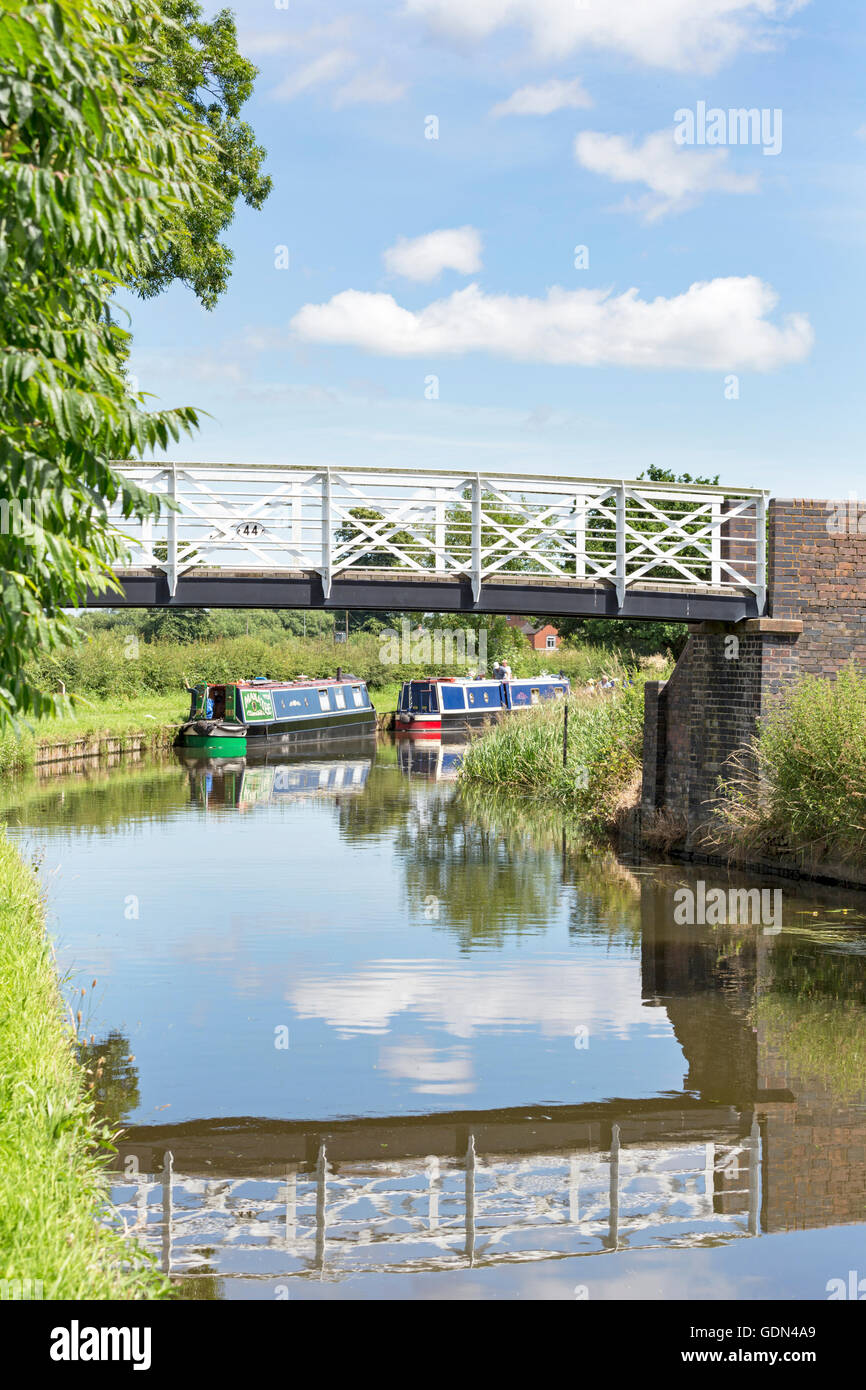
(809, 799)
(524, 753)
(154, 718)
(52, 1185)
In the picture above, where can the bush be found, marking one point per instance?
(809, 794)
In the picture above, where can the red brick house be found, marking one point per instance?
(541, 639)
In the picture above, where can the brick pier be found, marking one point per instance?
(729, 674)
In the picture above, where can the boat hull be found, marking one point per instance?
(425, 726)
(295, 733)
(217, 738)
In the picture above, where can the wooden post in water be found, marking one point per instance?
(565, 734)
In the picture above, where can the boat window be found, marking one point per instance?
(324, 702)
(357, 696)
(535, 696)
(487, 697)
(339, 697)
(471, 694)
(558, 692)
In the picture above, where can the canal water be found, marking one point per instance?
(370, 1036)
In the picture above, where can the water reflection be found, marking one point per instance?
(503, 1051)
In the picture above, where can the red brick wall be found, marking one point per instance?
(817, 572)
(707, 711)
(539, 639)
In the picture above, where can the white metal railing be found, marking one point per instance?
(329, 521)
(440, 1213)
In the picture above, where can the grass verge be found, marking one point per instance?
(153, 718)
(53, 1188)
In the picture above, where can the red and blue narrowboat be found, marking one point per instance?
(435, 705)
(226, 717)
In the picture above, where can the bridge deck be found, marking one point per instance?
(384, 590)
(426, 540)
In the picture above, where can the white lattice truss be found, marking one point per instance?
(435, 1214)
(435, 524)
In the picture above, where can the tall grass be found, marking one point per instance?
(809, 795)
(114, 665)
(53, 1188)
(524, 752)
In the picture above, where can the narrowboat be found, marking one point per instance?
(227, 718)
(436, 705)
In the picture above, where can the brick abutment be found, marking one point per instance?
(700, 723)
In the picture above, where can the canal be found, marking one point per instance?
(370, 1036)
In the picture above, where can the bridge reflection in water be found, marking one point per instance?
(659, 1181)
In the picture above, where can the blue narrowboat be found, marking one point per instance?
(435, 705)
(226, 717)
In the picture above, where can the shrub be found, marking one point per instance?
(809, 794)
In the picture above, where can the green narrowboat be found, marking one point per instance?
(227, 718)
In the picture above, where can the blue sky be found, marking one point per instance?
(556, 129)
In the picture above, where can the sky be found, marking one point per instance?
(529, 236)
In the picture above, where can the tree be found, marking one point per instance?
(176, 625)
(93, 168)
(198, 61)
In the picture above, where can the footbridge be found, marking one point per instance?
(275, 536)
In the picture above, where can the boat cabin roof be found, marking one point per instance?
(305, 682)
(483, 680)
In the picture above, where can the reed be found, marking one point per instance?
(524, 753)
(800, 787)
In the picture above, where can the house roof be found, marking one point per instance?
(529, 629)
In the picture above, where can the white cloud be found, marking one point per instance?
(424, 257)
(682, 34)
(370, 88)
(715, 325)
(326, 68)
(555, 95)
(676, 175)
